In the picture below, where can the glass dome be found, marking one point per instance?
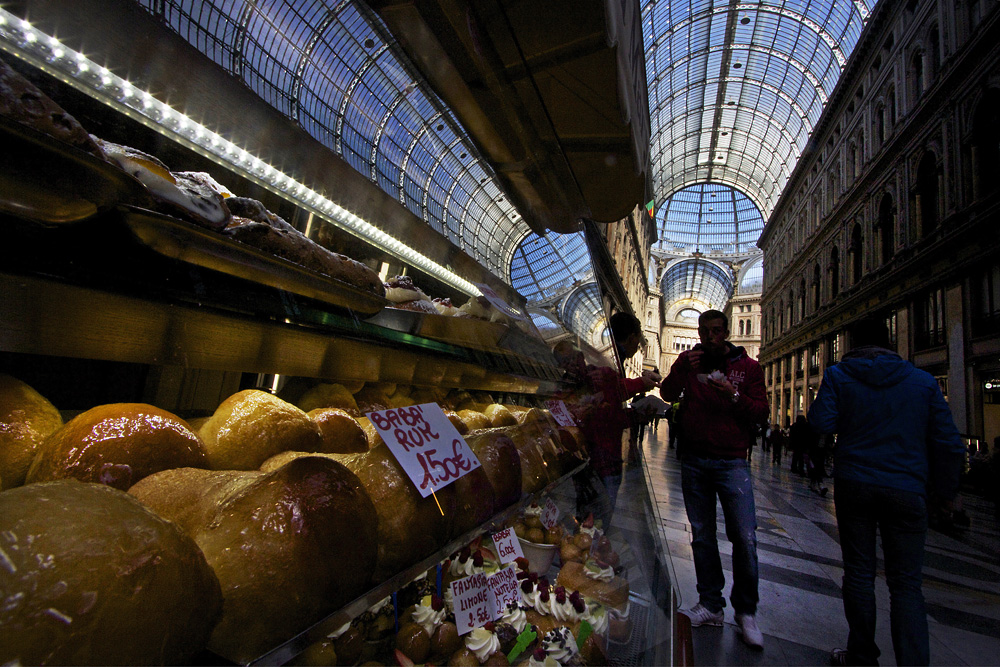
(698, 279)
(708, 218)
(736, 88)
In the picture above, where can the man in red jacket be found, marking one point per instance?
(724, 397)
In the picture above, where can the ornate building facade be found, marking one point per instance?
(893, 210)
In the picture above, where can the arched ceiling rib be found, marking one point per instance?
(331, 66)
(719, 70)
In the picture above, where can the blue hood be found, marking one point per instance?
(875, 366)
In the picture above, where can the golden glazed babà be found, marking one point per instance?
(117, 444)
(91, 577)
(251, 426)
(410, 527)
(26, 419)
(288, 546)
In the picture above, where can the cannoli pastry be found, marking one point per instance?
(182, 193)
(402, 293)
(22, 102)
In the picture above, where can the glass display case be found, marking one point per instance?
(110, 298)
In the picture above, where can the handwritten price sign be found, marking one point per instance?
(504, 590)
(560, 413)
(473, 602)
(426, 444)
(550, 514)
(508, 546)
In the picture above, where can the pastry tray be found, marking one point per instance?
(47, 181)
(189, 243)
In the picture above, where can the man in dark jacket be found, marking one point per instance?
(724, 399)
(895, 435)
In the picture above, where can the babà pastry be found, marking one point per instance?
(288, 546)
(252, 425)
(341, 433)
(91, 577)
(372, 398)
(374, 438)
(499, 415)
(474, 420)
(499, 460)
(26, 419)
(409, 527)
(330, 395)
(595, 581)
(534, 470)
(22, 102)
(118, 444)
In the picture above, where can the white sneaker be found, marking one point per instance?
(699, 616)
(750, 633)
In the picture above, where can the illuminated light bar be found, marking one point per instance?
(45, 52)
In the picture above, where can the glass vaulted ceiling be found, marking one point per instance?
(331, 66)
(736, 87)
(710, 219)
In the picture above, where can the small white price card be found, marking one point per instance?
(550, 514)
(560, 413)
(426, 444)
(473, 602)
(499, 303)
(504, 590)
(508, 546)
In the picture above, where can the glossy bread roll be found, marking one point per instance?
(330, 395)
(409, 527)
(91, 577)
(26, 419)
(341, 433)
(499, 459)
(117, 444)
(252, 425)
(288, 546)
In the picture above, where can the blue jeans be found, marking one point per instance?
(729, 479)
(901, 519)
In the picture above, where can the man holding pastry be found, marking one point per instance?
(724, 398)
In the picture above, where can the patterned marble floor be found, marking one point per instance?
(801, 612)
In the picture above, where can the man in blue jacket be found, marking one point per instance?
(895, 437)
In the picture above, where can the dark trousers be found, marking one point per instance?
(702, 481)
(901, 519)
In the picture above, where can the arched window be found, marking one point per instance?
(817, 287)
(834, 272)
(856, 253)
(852, 162)
(802, 299)
(927, 194)
(749, 327)
(741, 327)
(880, 125)
(915, 79)
(933, 55)
(887, 228)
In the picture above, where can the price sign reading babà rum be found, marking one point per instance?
(426, 444)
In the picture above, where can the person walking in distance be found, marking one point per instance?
(895, 438)
(724, 399)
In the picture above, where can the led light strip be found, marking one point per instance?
(45, 52)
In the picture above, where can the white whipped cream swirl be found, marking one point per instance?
(426, 617)
(560, 645)
(483, 643)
